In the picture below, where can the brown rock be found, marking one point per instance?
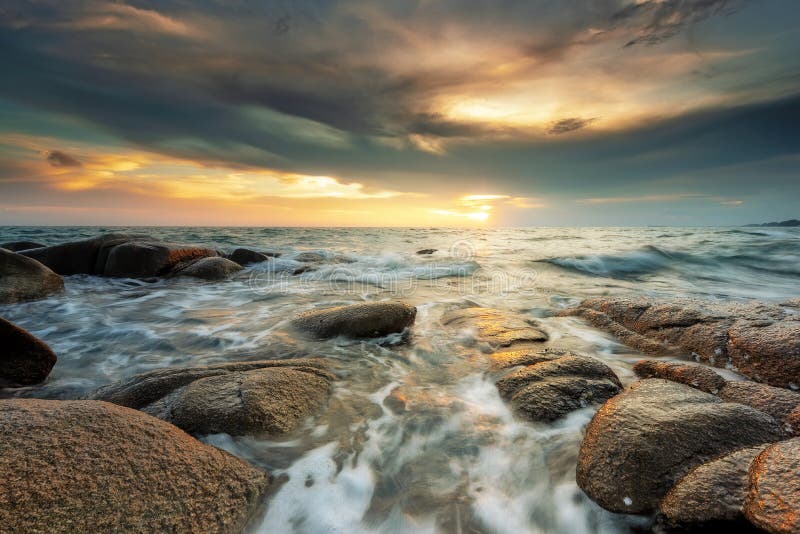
(496, 327)
(566, 365)
(767, 351)
(24, 360)
(215, 268)
(773, 502)
(643, 440)
(78, 257)
(88, 466)
(711, 492)
(697, 376)
(506, 359)
(792, 422)
(260, 397)
(777, 402)
(23, 278)
(368, 319)
(244, 256)
(143, 259)
(551, 399)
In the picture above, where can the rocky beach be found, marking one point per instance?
(399, 380)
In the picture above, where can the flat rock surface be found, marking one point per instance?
(363, 320)
(496, 327)
(645, 439)
(761, 341)
(23, 278)
(89, 466)
(25, 360)
(773, 502)
(261, 397)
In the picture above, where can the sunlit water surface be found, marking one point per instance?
(457, 460)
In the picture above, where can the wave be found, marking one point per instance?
(649, 259)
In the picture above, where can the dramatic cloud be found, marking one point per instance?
(56, 158)
(569, 125)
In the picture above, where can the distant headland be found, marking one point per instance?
(790, 222)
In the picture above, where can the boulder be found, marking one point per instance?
(363, 320)
(215, 268)
(23, 278)
(77, 257)
(711, 492)
(426, 251)
(777, 402)
(260, 397)
(496, 328)
(24, 359)
(16, 246)
(527, 355)
(245, 256)
(548, 390)
(773, 502)
(697, 376)
(761, 341)
(143, 259)
(310, 257)
(88, 466)
(645, 439)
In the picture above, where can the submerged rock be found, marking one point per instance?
(245, 256)
(23, 278)
(761, 341)
(260, 397)
(426, 251)
(496, 328)
(363, 320)
(773, 502)
(16, 246)
(24, 359)
(310, 257)
(697, 376)
(88, 466)
(215, 268)
(712, 492)
(645, 439)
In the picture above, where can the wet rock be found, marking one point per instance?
(215, 268)
(142, 259)
(25, 360)
(88, 466)
(762, 341)
(310, 257)
(496, 327)
(426, 251)
(550, 389)
(792, 422)
(368, 319)
(645, 439)
(777, 402)
(697, 376)
(244, 256)
(711, 492)
(506, 359)
(23, 278)
(773, 502)
(78, 257)
(16, 246)
(261, 397)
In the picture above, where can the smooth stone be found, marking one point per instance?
(79, 257)
(642, 441)
(711, 492)
(695, 375)
(245, 256)
(16, 246)
(142, 259)
(89, 466)
(215, 268)
(553, 398)
(23, 278)
(25, 360)
(773, 502)
(496, 327)
(363, 320)
(260, 397)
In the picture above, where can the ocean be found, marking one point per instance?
(460, 461)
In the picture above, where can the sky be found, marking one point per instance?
(399, 112)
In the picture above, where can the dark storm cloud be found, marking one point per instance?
(57, 158)
(569, 125)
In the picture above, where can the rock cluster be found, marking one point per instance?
(761, 341)
(260, 397)
(89, 466)
(540, 384)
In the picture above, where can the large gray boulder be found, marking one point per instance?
(363, 320)
(645, 439)
(23, 278)
(496, 328)
(761, 341)
(89, 466)
(24, 359)
(261, 397)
